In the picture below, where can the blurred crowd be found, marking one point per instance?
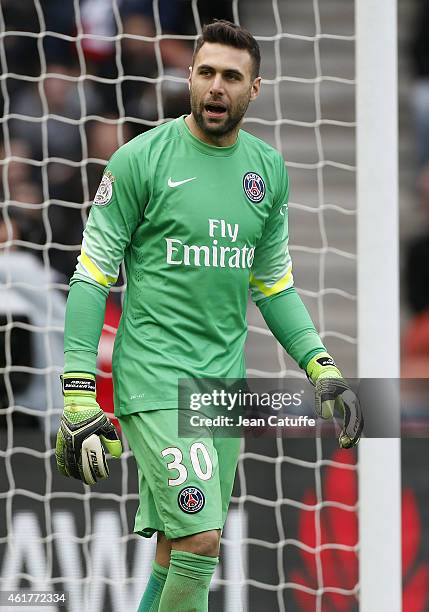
(415, 344)
(96, 78)
(99, 89)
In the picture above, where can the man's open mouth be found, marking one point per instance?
(215, 109)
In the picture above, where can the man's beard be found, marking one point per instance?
(234, 114)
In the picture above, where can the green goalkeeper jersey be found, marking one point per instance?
(195, 225)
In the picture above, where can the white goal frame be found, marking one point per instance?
(378, 304)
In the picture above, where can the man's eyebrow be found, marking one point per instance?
(231, 71)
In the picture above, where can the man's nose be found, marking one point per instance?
(217, 84)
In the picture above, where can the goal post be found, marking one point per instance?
(378, 304)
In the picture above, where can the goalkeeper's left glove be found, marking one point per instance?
(333, 391)
(83, 431)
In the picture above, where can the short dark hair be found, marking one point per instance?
(228, 33)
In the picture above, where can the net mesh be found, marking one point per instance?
(76, 83)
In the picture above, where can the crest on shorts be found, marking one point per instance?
(105, 190)
(191, 500)
(254, 187)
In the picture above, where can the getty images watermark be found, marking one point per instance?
(392, 408)
(235, 407)
(241, 402)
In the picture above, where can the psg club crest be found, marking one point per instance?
(254, 187)
(191, 500)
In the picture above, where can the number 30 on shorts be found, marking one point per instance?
(176, 464)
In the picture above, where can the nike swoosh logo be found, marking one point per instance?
(172, 183)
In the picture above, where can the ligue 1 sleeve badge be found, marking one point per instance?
(191, 500)
(254, 187)
(105, 190)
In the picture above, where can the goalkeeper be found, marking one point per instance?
(197, 210)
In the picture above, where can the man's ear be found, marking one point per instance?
(189, 77)
(256, 86)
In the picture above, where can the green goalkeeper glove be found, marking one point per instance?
(333, 391)
(83, 431)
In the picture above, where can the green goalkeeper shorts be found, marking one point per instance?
(185, 484)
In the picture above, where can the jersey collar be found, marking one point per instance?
(202, 146)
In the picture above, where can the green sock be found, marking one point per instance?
(188, 582)
(153, 591)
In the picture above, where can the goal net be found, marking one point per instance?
(78, 80)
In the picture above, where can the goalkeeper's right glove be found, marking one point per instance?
(83, 431)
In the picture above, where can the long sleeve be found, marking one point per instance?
(116, 212)
(289, 321)
(84, 320)
(272, 266)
